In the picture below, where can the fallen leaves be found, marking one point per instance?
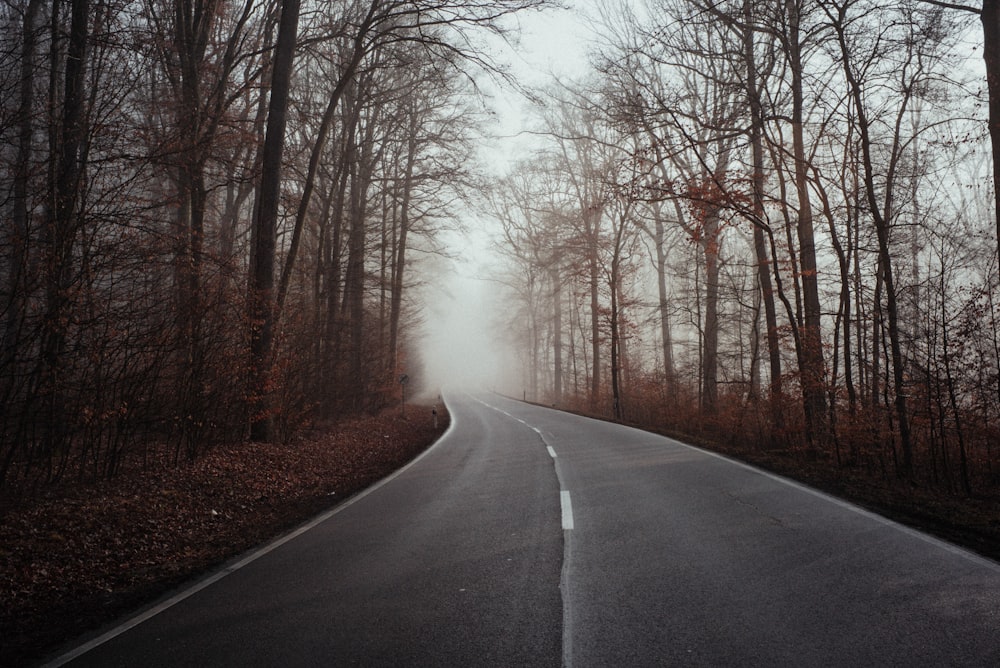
(78, 556)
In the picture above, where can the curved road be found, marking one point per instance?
(529, 537)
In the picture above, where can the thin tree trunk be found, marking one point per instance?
(990, 17)
(666, 339)
(814, 402)
(882, 233)
(963, 458)
(354, 290)
(62, 228)
(759, 243)
(332, 330)
(557, 344)
(710, 333)
(17, 242)
(399, 261)
(842, 324)
(592, 222)
(354, 279)
(615, 279)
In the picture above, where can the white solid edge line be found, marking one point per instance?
(847, 505)
(567, 510)
(132, 622)
(957, 550)
(552, 453)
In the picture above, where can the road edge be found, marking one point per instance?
(63, 656)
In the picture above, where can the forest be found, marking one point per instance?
(768, 228)
(213, 213)
(773, 224)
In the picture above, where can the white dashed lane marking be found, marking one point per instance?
(567, 510)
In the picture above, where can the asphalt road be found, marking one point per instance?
(528, 537)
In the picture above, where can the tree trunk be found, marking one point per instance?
(557, 344)
(592, 228)
(963, 458)
(812, 372)
(354, 278)
(885, 256)
(666, 339)
(710, 332)
(399, 261)
(265, 226)
(17, 241)
(615, 280)
(354, 291)
(990, 17)
(759, 243)
(332, 328)
(63, 226)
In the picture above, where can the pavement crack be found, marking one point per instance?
(776, 521)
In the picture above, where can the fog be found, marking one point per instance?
(462, 339)
(463, 345)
